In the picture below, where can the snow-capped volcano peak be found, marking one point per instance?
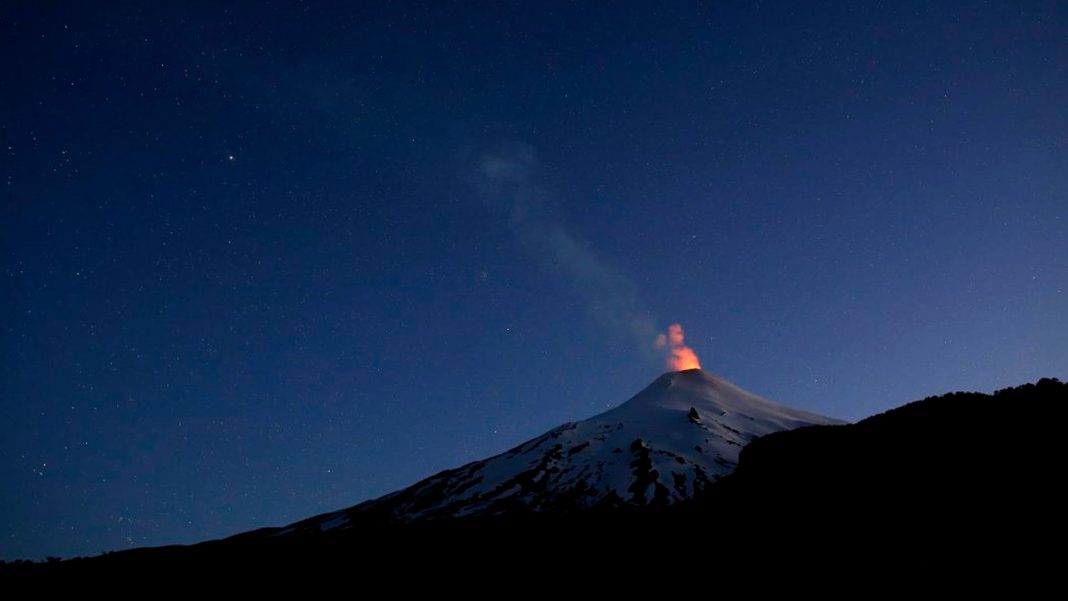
(681, 390)
(668, 442)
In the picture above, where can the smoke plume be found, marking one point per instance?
(679, 356)
(507, 180)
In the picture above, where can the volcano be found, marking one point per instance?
(665, 445)
(855, 492)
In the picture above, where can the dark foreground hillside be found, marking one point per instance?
(966, 474)
(955, 458)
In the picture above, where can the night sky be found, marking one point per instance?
(260, 261)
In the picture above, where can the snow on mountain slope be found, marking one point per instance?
(671, 440)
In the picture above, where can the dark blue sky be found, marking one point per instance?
(250, 271)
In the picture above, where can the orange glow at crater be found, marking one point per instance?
(679, 356)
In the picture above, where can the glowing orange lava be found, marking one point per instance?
(679, 356)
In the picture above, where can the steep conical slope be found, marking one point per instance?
(671, 440)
